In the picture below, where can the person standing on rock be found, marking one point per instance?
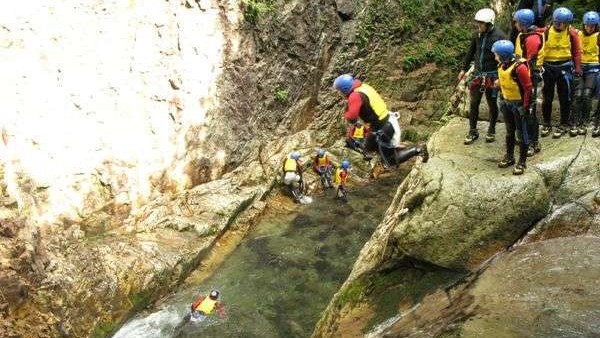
(530, 45)
(322, 166)
(364, 103)
(541, 10)
(590, 59)
(515, 84)
(562, 54)
(484, 75)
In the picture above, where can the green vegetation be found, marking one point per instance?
(103, 329)
(281, 95)
(256, 8)
(425, 31)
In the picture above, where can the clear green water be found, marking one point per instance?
(283, 274)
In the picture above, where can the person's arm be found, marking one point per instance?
(353, 110)
(525, 83)
(220, 309)
(575, 49)
(468, 58)
(350, 131)
(533, 43)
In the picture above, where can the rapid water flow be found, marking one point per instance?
(282, 275)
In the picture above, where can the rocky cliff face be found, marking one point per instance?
(122, 147)
(459, 209)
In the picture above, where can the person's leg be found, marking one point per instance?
(533, 126)
(577, 106)
(521, 124)
(596, 127)
(564, 86)
(475, 95)
(549, 77)
(491, 97)
(509, 123)
(588, 94)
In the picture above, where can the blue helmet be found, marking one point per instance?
(561, 15)
(320, 152)
(358, 123)
(295, 155)
(591, 18)
(345, 164)
(504, 48)
(344, 83)
(525, 17)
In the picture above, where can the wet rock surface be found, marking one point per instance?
(543, 289)
(460, 209)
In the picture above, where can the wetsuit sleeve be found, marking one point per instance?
(533, 43)
(575, 49)
(470, 54)
(525, 83)
(350, 132)
(353, 109)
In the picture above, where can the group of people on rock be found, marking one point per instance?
(554, 56)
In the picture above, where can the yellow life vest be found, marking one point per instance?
(519, 49)
(359, 132)
(377, 104)
(589, 46)
(508, 83)
(290, 165)
(207, 305)
(337, 179)
(322, 161)
(558, 45)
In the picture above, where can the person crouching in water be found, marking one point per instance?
(341, 177)
(515, 84)
(204, 306)
(292, 175)
(365, 103)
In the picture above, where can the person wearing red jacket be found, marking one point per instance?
(204, 306)
(366, 104)
(355, 138)
(584, 88)
(514, 79)
(529, 45)
(562, 53)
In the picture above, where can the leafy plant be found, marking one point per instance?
(281, 95)
(255, 8)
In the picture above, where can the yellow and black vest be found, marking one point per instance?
(508, 81)
(207, 305)
(337, 179)
(290, 165)
(322, 161)
(359, 132)
(589, 48)
(520, 47)
(375, 109)
(558, 45)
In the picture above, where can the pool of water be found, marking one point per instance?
(283, 273)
